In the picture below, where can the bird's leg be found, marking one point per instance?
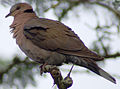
(42, 68)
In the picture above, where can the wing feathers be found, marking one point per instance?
(55, 36)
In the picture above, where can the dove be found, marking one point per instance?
(51, 42)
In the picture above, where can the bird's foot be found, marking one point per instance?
(42, 67)
(46, 68)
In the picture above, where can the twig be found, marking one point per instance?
(16, 61)
(117, 13)
(112, 55)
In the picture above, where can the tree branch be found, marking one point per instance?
(112, 55)
(57, 77)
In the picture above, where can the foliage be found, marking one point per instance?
(18, 73)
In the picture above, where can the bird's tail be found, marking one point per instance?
(91, 65)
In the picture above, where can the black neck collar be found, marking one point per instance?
(29, 11)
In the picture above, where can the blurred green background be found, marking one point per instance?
(97, 22)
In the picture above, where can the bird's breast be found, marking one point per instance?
(31, 50)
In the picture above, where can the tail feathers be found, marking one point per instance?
(107, 76)
(91, 65)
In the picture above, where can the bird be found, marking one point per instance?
(51, 42)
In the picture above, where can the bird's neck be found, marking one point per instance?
(18, 25)
(21, 19)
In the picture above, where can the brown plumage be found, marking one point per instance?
(51, 42)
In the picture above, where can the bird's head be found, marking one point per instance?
(19, 9)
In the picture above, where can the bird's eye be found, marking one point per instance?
(18, 8)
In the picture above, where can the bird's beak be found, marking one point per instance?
(8, 15)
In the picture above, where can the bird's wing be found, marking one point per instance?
(55, 36)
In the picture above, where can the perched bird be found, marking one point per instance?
(51, 42)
